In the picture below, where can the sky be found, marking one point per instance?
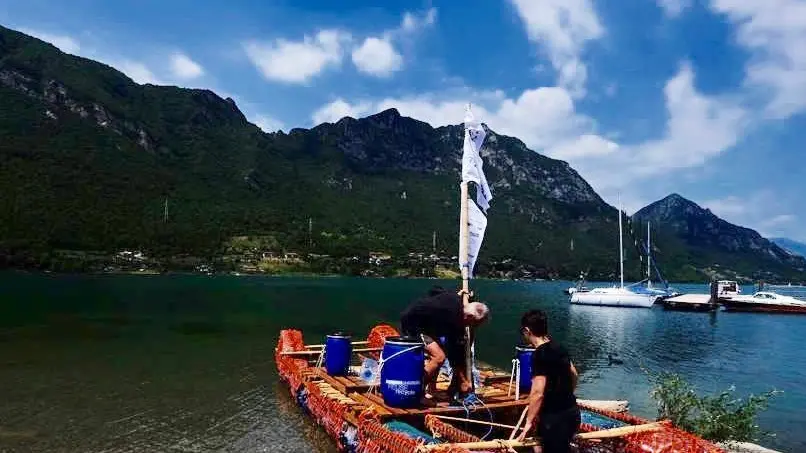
(642, 97)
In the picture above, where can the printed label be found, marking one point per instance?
(403, 388)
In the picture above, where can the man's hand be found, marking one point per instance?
(461, 292)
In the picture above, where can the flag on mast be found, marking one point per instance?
(472, 165)
(472, 171)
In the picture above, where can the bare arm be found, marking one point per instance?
(574, 376)
(535, 401)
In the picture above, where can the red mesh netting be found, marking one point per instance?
(447, 432)
(290, 368)
(328, 412)
(667, 440)
(379, 333)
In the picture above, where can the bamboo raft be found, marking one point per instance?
(356, 417)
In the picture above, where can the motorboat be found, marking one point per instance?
(764, 301)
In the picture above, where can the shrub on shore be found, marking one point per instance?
(719, 417)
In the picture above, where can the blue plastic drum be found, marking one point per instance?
(338, 350)
(402, 372)
(524, 356)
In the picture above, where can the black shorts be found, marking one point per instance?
(557, 429)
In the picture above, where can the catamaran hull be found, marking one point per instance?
(614, 300)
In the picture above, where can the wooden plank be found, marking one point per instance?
(344, 381)
(378, 400)
(369, 403)
(329, 379)
(451, 409)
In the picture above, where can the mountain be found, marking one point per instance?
(794, 247)
(691, 237)
(93, 161)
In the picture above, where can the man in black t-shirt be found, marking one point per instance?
(442, 314)
(553, 409)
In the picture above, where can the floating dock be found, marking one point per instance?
(690, 302)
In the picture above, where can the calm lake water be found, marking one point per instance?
(185, 363)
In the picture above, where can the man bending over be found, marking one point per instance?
(442, 314)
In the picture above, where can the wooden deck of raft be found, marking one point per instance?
(354, 392)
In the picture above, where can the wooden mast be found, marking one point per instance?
(464, 243)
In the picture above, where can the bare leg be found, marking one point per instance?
(432, 365)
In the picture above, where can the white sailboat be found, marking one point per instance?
(616, 296)
(639, 287)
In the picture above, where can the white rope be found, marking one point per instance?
(321, 357)
(515, 375)
(383, 360)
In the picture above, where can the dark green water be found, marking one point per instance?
(185, 363)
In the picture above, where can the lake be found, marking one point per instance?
(184, 363)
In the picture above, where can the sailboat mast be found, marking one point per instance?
(620, 246)
(648, 253)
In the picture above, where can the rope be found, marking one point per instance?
(471, 403)
(321, 357)
(515, 375)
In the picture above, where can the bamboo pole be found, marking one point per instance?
(464, 244)
(494, 444)
(623, 431)
(470, 420)
(354, 343)
(520, 420)
(483, 445)
(298, 353)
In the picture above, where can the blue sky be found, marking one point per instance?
(643, 97)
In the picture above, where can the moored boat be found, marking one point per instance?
(617, 296)
(614, 297)
(362, 410)
(764, 301)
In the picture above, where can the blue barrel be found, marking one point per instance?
(524, 356)
(338, 350)
(402, 372)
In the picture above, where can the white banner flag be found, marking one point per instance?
(472, 165)
(476, 228)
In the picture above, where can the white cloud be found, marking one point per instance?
(412, 23)
(775, 33)
(65, 43)
(338, 109)
(267, 123)
(564, 27)
(728, 207)
(184, 68)
(673, 8)
(764, 210)
(699, 128)
(585, 146)
(137, 71)
(298, 61)
(377, 57)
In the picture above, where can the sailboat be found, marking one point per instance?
(616, 296)
(639, 287)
